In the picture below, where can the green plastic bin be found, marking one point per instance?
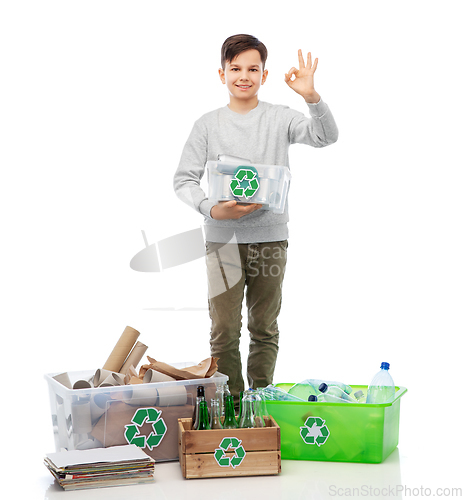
(337, 432)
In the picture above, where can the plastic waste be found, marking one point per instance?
(303, 390)
(360, 396)
(336, 392)
(272, 393)
(316, 383)
(382, 387)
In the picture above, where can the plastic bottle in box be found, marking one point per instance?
(381, 388)
(272, 393)
(333, 390)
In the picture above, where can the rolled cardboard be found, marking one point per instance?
(134, 357)
(155, 376)
(98, 405)
(100, 376)
(81, 417)
(82, 384)
(122, 349)
(172, 396)
(143, 395)
(63, 378)
(113, 379)
(63, 429)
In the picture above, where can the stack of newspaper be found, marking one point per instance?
(100, 467)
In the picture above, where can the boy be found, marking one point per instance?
(260, 132)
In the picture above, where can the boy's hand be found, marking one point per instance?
(303, 82)
(231, 210)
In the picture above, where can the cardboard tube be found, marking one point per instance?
(143, 395)
(134, 357)
(172, 396)
(155, 376)
(121, 349)
(98, 405)
(63, 378)
(62, 426)
(81, 417)
(113, 379)
(100, 376)
(82, 384)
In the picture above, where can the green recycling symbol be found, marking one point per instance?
(314, 431)
(151, 416)
(245, 183)
(233, 443)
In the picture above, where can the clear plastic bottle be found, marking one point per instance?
(336, 392)
(272, 393)
(303, 390)
(360, 396)
(315, 382)
(381, 388)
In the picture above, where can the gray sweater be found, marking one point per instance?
(263, 135)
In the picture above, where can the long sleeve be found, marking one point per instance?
(318, 130)
(191, 170)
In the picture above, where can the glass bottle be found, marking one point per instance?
(203, 419)
(199, 397)
(241, 406)
(220, 397)
(260, 408)
(247, 415)
(215, 415)
(230, 419)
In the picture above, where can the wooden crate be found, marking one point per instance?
(249, 452)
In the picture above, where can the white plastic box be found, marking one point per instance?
(142, 414)
(249, 183)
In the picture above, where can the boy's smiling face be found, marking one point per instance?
(243, 77)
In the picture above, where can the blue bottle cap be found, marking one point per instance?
(384, 365)
(312, 398)
(322, 387)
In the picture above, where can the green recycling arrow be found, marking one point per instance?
(149, 415)
(234, 444)
(245, 183)
(314, 431)
(140, 416)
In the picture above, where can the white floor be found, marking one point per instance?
(424, 465)
(399, 476)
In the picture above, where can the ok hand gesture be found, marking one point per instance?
(303, 82)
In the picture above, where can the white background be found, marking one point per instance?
(97, 100)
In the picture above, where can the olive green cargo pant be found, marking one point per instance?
(256, 271)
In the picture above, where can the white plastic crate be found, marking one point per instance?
(142, 414)
(249, 183)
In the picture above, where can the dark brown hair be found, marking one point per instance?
(236, 44)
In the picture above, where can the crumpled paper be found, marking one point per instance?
(205, 369)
